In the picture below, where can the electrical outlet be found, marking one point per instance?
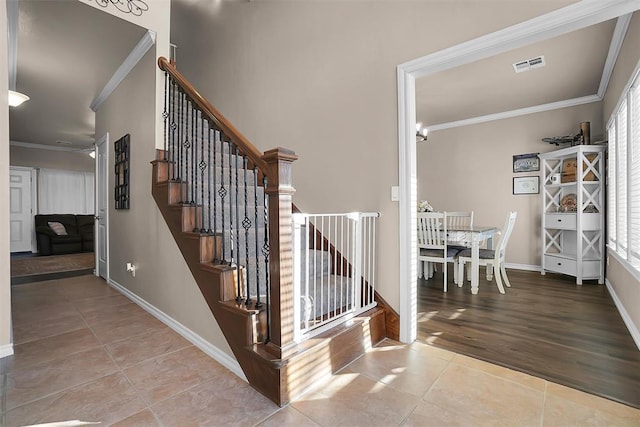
(131, 269)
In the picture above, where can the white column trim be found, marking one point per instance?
(407, 206)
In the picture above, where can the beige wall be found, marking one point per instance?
(5, 280)
(623, 284)
(139, 234)
(471, 168)
(37, 158)
(319, 78)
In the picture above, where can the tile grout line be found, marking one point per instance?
(544, 403)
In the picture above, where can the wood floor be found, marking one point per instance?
(546, 326)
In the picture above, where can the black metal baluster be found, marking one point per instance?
(237, 209)
(246, 224)
(222, 192)
(194, 160)
(214, 229)
(209, 165)
(194, 152)
(203, 166)
(231, 235)
(165, 112)
(265, 253)
(255, 220)
(180, 144)
(187, 145)
(174, 127)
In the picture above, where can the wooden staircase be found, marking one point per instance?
(260, 334)
(279, 375)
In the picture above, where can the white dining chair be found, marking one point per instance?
(492, 260)
(456, 219)
(432, 241)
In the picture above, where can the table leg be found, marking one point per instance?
(475, 264)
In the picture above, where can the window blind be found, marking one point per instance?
(621, 163)
(612, 188)
(634, 174)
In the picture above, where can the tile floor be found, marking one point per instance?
(85, 352)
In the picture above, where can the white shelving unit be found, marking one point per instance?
(573, 241)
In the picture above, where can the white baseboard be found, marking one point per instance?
(526, 267)
(633, 329)
(6, 350)
(214, 352)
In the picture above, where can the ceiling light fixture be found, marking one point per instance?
(92, 154)
(16, 98)
(421, 132)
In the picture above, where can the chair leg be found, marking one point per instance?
(504, 275)
(444, 271)
(460, 273)
(489, 271)
(498, 278)
(455, 271)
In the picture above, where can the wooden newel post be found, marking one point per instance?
(280, 192)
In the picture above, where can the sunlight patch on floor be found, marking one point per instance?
(425, 317)
(457, 314)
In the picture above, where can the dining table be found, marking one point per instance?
(473, 235)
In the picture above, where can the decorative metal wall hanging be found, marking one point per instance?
(134, 7)
(121, 190)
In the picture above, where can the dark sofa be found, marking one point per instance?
(79, 238)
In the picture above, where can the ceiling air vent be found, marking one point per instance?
(529, 64)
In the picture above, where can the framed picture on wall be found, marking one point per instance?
(526, 163)
(121, 189)
(526, 185)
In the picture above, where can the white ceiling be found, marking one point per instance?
(574, 67)
(67, 52)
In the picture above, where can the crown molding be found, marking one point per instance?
(622, 25)
(12, 41)
(571, 18)
(519, 112)
(121, 73)
(31, 145)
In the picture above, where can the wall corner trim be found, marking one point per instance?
(6, 350)
(211, 350)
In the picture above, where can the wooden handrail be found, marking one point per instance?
(213, 115)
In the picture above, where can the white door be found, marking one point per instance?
(21, 218)
(102, 207)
